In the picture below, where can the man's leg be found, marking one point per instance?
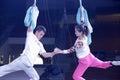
(32, 73)
(8, 68)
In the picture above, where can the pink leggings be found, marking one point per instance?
(88, 61)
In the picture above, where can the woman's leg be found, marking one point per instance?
(100, 64)
(81, 68)
(115, 63)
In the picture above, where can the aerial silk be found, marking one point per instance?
(82, 19)
(31, 16)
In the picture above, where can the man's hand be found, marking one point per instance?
(57, 50)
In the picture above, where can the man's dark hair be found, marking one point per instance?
(40, 28)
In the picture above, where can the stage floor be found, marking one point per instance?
(112, 73)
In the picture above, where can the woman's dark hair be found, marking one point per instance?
(83, 29)
(40, 28)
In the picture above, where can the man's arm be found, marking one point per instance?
(48, 54)
(29, 29)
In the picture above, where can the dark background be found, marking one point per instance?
(104, 16)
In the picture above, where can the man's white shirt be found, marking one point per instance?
(33, 47)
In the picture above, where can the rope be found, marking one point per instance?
(66, 21)
(48, 19)
(34, 2)
(80, 1)
(69, 35)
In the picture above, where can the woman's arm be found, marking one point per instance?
(71, 50)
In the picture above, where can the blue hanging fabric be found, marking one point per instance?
(31, 16)
(81, 17)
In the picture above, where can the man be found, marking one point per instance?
(25, 61)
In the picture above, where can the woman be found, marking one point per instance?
(85, 57)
